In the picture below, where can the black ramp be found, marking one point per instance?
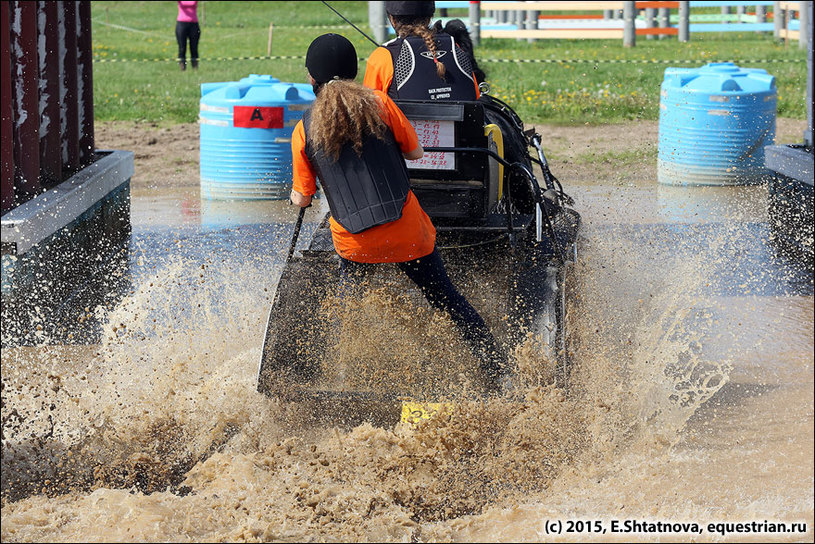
(296, 337)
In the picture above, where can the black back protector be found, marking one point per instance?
(414, 70)
(362, 191)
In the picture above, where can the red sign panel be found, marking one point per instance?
(257, 117)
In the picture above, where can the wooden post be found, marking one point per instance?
(269, 44)
(740, 13)
(6, 114)
(650, 20)
(785, 23)
(84, 54)
(778, 19)
(50, 149)
(761, 16)
(725, 11)
(519, 21)
(378, 21)
(25, 95)
(531, 23)
(475, 23)
(664, 20)
(70, 105)
(629, 25)
(684, 21)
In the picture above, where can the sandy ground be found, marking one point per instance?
(168, 156)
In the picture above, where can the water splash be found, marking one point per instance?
(170, 440)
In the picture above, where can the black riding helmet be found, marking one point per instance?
(413, 10)
(331, 56)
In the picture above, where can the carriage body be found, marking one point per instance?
(506, 247)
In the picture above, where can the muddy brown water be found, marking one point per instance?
(690, 399)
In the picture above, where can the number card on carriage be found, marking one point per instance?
(435, 133)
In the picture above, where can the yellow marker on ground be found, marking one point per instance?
(413, 412)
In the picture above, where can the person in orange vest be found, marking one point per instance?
(356, 140)
(421, 63)
(427, 63)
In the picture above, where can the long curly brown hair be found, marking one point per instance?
(344, 111)
(421, 28)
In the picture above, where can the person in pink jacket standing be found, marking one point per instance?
(187, 28)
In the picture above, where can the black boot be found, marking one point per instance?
(498, 377)
(182, 64)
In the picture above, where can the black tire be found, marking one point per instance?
(539, 302)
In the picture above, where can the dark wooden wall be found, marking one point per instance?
(47, 95)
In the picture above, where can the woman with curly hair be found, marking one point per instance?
(422, 63)
(355, 141)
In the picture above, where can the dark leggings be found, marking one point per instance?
(429, 274)
(184, 31)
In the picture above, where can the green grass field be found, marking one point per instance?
(578, 82)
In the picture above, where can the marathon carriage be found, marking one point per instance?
(507, 240)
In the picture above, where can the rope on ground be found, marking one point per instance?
(634, 61)
(205, 59)
(505, 61)
(277, 27)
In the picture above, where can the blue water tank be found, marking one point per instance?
(246, 129)
(714, 122)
